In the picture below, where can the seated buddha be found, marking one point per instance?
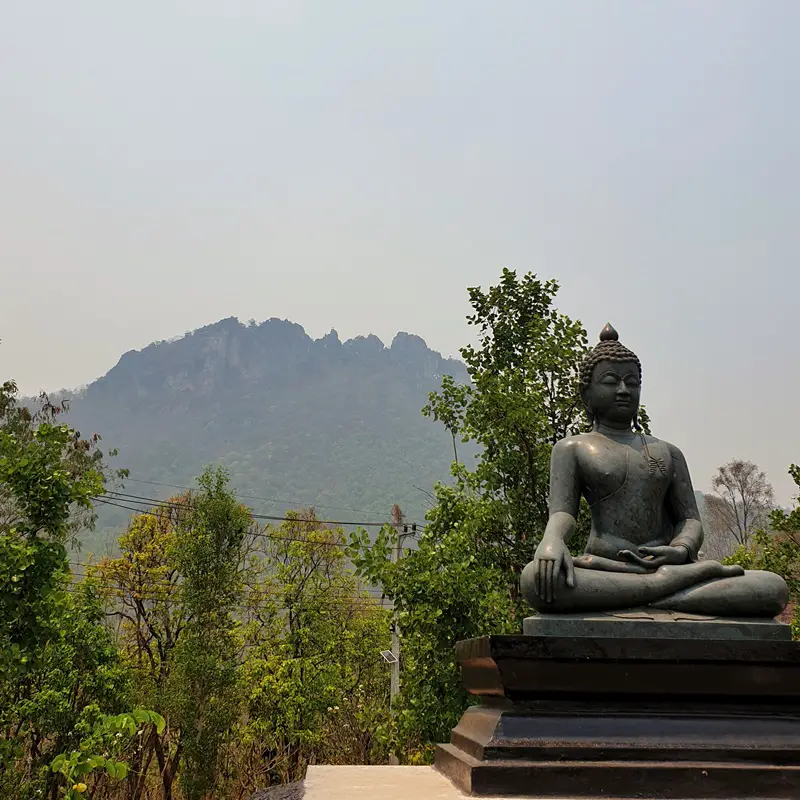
(646, 532)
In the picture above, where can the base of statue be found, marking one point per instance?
(650, 623)
(623, 717)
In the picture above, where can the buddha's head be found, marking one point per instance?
(610, 382)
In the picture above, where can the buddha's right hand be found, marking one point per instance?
(551, 557)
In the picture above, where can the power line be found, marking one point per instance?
(272, 518)
(150, 501)
(294, 503)
(138, 510)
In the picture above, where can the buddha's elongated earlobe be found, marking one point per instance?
(636, 424)
(583, 394)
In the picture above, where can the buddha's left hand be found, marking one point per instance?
(659, 556)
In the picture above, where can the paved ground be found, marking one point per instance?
(384, 782)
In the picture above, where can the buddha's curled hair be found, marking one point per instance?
(609, 348)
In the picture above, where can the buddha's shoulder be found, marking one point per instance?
(576, 443)
(592, 440)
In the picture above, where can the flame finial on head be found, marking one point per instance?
(609, 334)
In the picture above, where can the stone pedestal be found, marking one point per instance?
(624, 717)
(648, 623)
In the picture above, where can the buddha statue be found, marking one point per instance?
(646, 532)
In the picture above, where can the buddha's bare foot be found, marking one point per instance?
(733, 593)
(700, 570)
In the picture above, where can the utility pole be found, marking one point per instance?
(394, 687)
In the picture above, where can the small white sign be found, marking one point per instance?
(388, 656)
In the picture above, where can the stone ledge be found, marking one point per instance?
(534, 668)
(591, 780)
(656, 624)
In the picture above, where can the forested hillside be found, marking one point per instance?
(297, 421)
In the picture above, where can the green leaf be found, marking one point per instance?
(58, 762)
(122, 770)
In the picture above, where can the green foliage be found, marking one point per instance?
(317, 686)
(778, 550)
(256, 645)
(522, 400)
(447, 589)
(177, 588)
(644, 420)
(462, 580)
(78, 671)
(57, 657)
(84, 763)
(789, 523)
(209, 555)
(40, 486)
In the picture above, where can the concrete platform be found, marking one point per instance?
(381, 783)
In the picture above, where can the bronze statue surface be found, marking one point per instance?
(646, 532)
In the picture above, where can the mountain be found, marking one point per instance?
(296, 421)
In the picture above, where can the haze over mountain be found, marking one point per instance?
(296, 421)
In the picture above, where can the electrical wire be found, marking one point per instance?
(272, 518)
(295, 503)
(136, 505)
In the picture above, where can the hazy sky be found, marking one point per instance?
(358, 164)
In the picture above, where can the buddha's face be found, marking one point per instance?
(613, 395)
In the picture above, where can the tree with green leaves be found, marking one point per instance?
(141, 590)
(446, 589)
(462, 580)
(317, 687)
(99, 757)
(522, 399)
(58, 659)
(776, 548)
(176, 589)
(210, 555)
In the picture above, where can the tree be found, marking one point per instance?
(446, 589)
(718, 539)
(778, 550)
(142, 591)
(175, 589)
(522, 399)
(743, 502)
(317, 688)
(462, 580)
(58, 660)
(210, 556)
(93, 760)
